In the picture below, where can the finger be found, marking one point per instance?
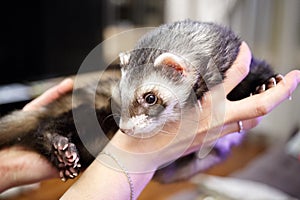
(245, 126)
(239, 69)
(263, 103)
(50, 95)
(211, 136)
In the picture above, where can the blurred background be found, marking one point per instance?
(44, 41)
(50, 39)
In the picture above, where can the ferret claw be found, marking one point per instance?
(279, 78)
(67, 156)
(263, 87)
(60, 142)
(260, 89)
(270, 83)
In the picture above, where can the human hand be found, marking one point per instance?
(20, 166)
(249, 111)
(50, 95)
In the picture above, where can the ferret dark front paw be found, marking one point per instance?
(271, 82)
(67, 156)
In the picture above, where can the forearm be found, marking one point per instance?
(19, 167)
(111, 176)
(102, 182)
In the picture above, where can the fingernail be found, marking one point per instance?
(200, 106)
(280, 78)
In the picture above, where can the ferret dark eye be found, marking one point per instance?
(150, 99)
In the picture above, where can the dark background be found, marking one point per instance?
(50, 38)
(42, 39)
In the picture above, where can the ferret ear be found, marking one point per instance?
(171, 60)
(124, 58)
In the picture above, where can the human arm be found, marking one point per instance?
(141, 157)
(19, 166)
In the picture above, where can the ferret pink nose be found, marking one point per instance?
(127, 131)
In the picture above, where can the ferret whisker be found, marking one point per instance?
(167, 132)
(189, 119)
(109, 116)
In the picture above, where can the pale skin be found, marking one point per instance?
(99, 180)
(19, 163)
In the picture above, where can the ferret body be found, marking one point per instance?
(167, 67)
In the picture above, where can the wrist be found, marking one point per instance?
(108, 169)
(140, 154)
(135, 182)
(131, 152)
(150, 153)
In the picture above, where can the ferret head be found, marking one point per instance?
(152, 93)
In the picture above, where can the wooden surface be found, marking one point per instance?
(241, 155)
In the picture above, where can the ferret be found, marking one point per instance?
(167, 68)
